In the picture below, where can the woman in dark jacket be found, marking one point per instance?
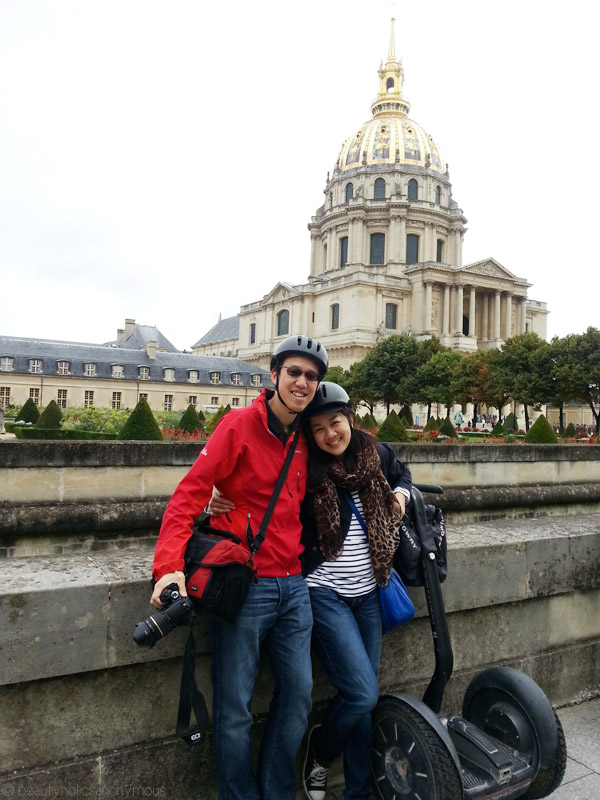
(343, 569)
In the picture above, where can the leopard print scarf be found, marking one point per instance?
(379, 511)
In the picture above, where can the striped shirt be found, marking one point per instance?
(351, 574)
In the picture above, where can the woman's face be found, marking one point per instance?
(332, 433)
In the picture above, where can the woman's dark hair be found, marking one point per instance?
(319, 460)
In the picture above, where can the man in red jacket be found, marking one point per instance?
(243, 459)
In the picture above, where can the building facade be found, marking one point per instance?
(386, 255)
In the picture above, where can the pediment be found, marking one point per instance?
(491, 268)
(280, 292)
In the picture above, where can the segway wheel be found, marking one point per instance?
(511, 707)
(409, 761)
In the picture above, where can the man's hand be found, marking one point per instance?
(219, 504)
(170, 577)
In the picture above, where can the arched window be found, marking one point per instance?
(283, 323)
(335, 316)
(413, 189)
(438, 195)
(349, 192)
(377, 250)
(379, 189)
(389, 86)
(412, 248)
(391, 316)
(343, 251)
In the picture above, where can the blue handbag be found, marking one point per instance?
(394, 601)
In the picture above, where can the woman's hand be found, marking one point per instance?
(401, 498)
(219, 504)
(170, 577)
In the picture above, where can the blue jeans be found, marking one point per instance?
(276, 615)
(347, 638)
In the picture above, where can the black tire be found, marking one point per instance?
(511, 707)
(409, 761)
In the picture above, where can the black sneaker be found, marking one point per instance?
(315, 772)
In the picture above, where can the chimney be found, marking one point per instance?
(150, 348)
(120, 334)
(129, 327)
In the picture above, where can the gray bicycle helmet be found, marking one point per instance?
(301, 346)
(328, 397)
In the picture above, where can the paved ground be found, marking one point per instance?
(581, 724)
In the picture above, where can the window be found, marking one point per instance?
(6, 364)
(117, 370)
(349, 192)
(412, 248)
(377, 248)
(193, 400)
(379, 189)
(440, 251)
(343, 251)
(335, 316)
(34, 394)
(5, 395)
(90, 370)
(168, 403)
(215, 377)
(236, 378)
(169, 374)
(35, 365)
(61, 398)
(252, 333)
(116, 400)
(144, 396)
(88, 400)
(144, 373)
(193, 376)
(438, 195)
(63, 367)
(256, 380)
(283, 323)
(391, 316)
(413, 189)
(235, 401)
(214, 401)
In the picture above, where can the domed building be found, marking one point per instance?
(386, 255)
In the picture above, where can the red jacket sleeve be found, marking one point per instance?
(217, 460)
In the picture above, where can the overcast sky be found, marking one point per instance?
(161, 160)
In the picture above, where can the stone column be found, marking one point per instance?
(359, 225)
(508, 323)
(485, 322)
(350, 241)
(497, 314)
(427, 307)
(446, 317)
(472, 312)
(313, 254)
(459, 309)
(402, 241)
(523, 315)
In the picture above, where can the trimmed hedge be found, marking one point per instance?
(541, 432)
(29, 412)
(141, 424)
(59, 433)
(51, 416)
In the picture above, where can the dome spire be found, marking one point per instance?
(390, 99)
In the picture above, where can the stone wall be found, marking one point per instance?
(82, 706)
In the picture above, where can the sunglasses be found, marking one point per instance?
(309, 374)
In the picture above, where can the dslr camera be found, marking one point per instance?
(177, 610)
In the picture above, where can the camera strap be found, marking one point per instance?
(190, 698)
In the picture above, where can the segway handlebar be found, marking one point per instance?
(429, 488)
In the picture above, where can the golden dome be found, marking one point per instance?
(390, 137)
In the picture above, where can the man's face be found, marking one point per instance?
(295, 388)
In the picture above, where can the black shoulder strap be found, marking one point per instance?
(190, 697)
(259, 538)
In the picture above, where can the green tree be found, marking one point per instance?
(51, 416)
(29, 412)
(390, 361)
(471, 384)
(435, 378)
(392, 430)
(358, 388)
(190, 422)
(586, 371)
(526, 361)
(409, 386)
(541, 432)
(448, 428)
(141, 424)
(563, 360)
(569, 432)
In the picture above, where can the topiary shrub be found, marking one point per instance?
(213, 421)
(141, 424)
(190, 422)
(541, 432)
(51, 416)
(510, 423)
(498, 429)
(432, 424)
(569, 432)
(406, 413)
(29, 412)
(392, 430)
(448, 428)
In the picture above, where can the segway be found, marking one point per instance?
(508, 742)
